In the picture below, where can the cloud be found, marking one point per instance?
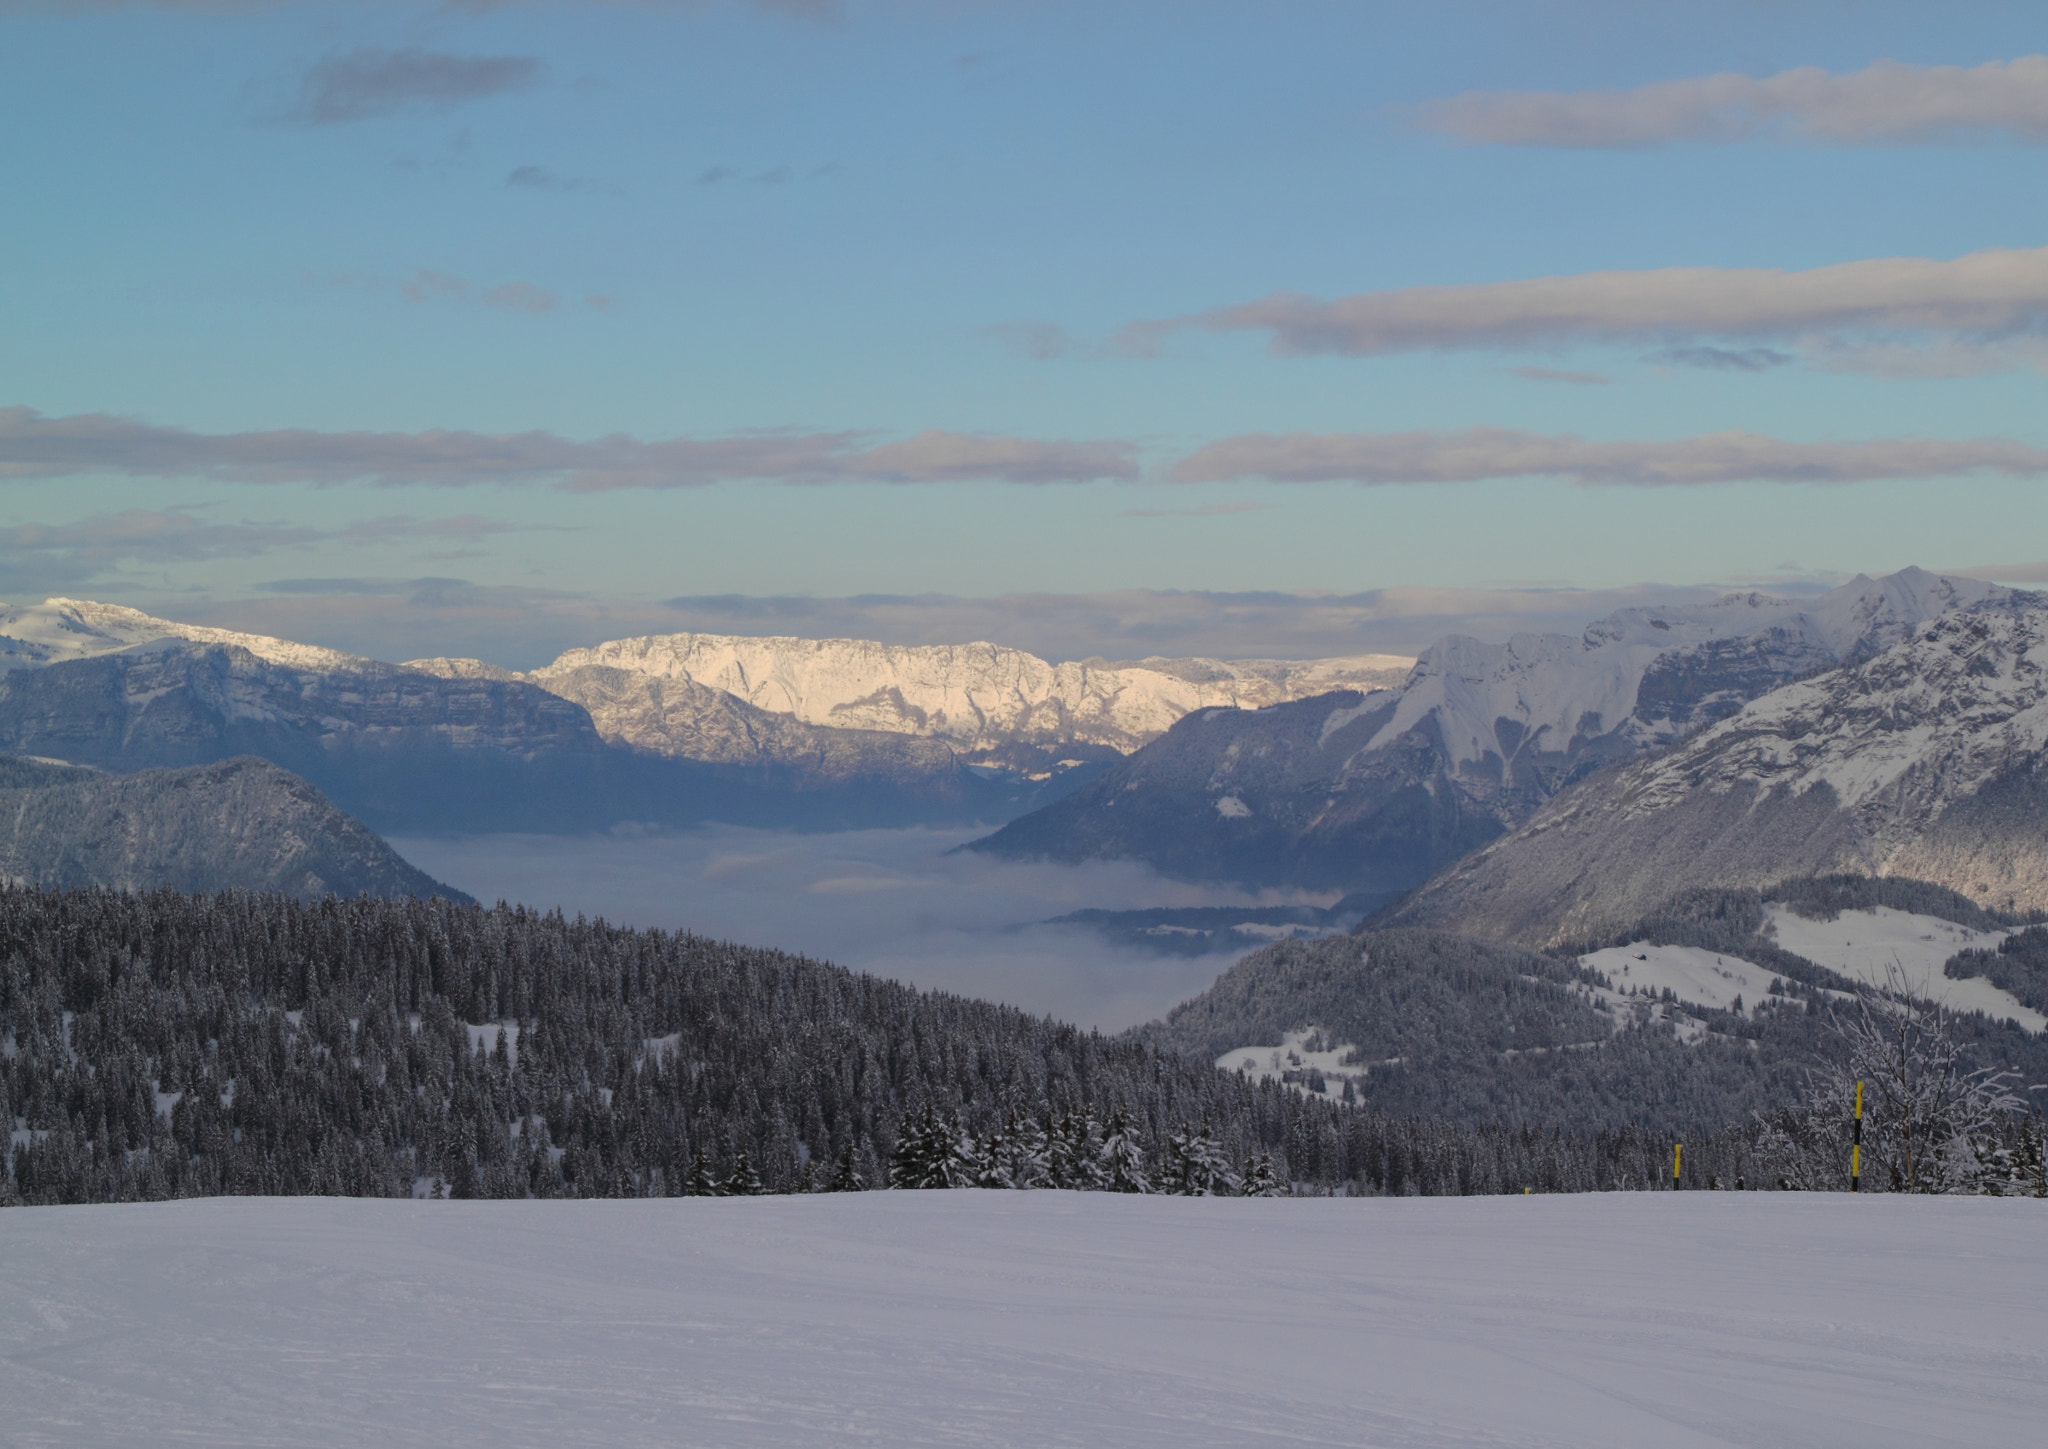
(1723, 359)
(34, 446)
(899, 903)
(1036, 341)
(1212, 510)
(426, 285)
(102, 548)
(520, 297)
(523, 628)
(532, 177)
(423, 284)
(1553, 374)
(1984, 295)
(1473, 454)
(2007, 573)
(372, 82)
(1887, 104)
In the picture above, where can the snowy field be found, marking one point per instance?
(1870, 946)
(979, 1318)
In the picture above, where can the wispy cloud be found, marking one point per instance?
(1724, 359)
(1210, 510)
(1887, 104)
(520, 297)
(1037, 341)
(103, 545)
(372, 82)
(1983, 296)
(34, 446)
(2035, 572)
(1555, 374)
(1474, 454)
(523, 628)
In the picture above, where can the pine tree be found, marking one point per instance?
(1122, 1156)
(1196, 1166)
(744, 1182)
(1259, 1178)
(700, 1182)
(845, 1176)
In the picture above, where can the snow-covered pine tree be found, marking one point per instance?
(921, 1151)
(1122, 1156)
(1259, 1178)
(744, 1182)
(845, 1176)
(1196, 1166)
(700, 1182)
(1016, 1156)
(1073, 1153)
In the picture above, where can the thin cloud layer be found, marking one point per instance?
(524, 628)
(372, 82)
(1887, 104)
(1475, 454)
(34, 446)
(1983, 295)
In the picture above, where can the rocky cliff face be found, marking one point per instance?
(240, 824)
(1924, 761)
(1375, 792)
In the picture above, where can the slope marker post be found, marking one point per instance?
(1856, 1145)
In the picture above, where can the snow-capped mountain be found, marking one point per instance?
(1376, 791)
(976, 697)
(1924, 761)
(58, 630)
(1643, 676)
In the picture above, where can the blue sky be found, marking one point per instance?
(960, 305)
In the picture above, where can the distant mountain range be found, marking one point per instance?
(240, 824)
(991, 705)
(662, 730)
(1374, 792)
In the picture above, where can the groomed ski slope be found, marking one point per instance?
(982, 1318)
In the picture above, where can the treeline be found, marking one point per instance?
(165, 1045)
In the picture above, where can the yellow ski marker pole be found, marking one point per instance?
(1677, 1151)
(1856, 1145)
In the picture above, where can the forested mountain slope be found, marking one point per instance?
(171, 1045)
(1685, 1022)
(241, 824)
(1376, 792)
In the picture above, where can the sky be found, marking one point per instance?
(1117, 327)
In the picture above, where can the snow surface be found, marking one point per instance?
(1868, 945)
(1292, 1060)
(1698, 977)
(971, 1318)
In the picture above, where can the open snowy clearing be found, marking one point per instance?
(1869, 945)
(1712, 979)
(981, 1318)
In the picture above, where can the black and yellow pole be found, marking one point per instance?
(1677, 1152)
(1856, 1145)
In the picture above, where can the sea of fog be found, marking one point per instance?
(900, 903)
